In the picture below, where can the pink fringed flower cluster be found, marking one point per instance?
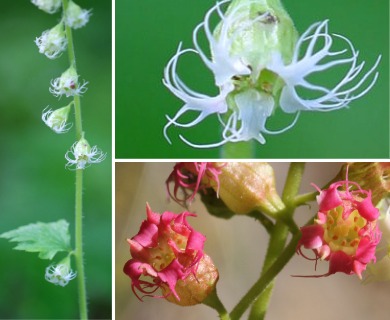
(193, 177)
(345, 232)
(166, 249)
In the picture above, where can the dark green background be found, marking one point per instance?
(34, 185)
(147, 35)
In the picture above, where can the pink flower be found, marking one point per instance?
(165, 250)
(191, 177)
(345, 232)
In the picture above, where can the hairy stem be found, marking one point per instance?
(79, 185)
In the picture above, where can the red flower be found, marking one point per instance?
(345, 232)
(165, 250)
(191, 177)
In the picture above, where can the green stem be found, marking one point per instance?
(79, 184)
(279, 236)
(305, 198)
(265, 279)
(79, 245)
(237, 150)
(214, 302)
(293, 182)
(72, 62)
(275, 247)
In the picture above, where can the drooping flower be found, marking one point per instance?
(68, 84)
(242, 186)
(76, 17)
(256, 61)
(52, 42)
(49, 6)
(59, 274)
(167, 253)
(57, 119)
(81, 155)
(345, 232)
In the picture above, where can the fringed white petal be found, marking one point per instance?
(295, 74)
(193, 101)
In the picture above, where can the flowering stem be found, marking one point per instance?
(266, 278)
(79, 245)
(237, 150)
(72, 62)
(278, 237)
(79, 184)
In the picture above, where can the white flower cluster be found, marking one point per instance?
(245, 101)
(60, 274)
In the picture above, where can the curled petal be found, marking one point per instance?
(349, 88)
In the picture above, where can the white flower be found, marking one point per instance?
(52, 42)
(59, 275)
(57, 119)
(76, 17)
(251, 75)
(81, 155)
(68, 84)
(49, 6)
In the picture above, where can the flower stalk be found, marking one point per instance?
(79, 183)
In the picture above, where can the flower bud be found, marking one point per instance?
(67, 84)
(56, 120)
(81, 155)
(49, 6)
(76, 17)
(52, 42)
(374, 176)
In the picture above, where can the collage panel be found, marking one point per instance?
(252, 79)
(56, 170)
(244, 240)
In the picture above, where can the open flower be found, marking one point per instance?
(345, 232)
(167, 253)
(68, 84)
(81, 155)
(256, 61)
(60, 274)
(57, 119)
(52, 42)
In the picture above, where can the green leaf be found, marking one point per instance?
(45, 238)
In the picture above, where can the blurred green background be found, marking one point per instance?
(147, 35)
(34, 186)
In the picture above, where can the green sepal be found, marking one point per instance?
(46, 238)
